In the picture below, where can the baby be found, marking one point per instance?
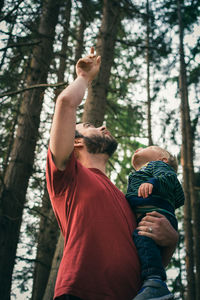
(153, 187)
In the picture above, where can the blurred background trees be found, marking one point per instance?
(147, 91)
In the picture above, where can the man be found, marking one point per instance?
(99, 258)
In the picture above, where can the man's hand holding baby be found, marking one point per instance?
(145, 189)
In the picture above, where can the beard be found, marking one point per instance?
(101, 144)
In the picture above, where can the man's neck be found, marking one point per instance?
(97, 161)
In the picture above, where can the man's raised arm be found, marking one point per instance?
(64, 120)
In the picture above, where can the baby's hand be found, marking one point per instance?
(145, 190)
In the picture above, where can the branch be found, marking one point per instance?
(19, 45)
(10, 12)
(32, 87)
(31, 260)
(135, 44)
(41, 214)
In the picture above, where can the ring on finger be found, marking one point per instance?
(150, 229)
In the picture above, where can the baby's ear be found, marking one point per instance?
(165, 159)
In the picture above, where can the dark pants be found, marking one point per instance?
(150, 253)
(67, 297)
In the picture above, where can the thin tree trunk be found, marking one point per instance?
(180, 283)
(95, 105)
(49, 292)
(48, 235)
(150, 141)
(11, 27)
(191, 213)
(10, 140)
(22, 155)
(80, 34)
(1, 6)
(66, 15)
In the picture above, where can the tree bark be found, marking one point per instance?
(191, 212)
(18, 172)
(49, 292)
(95, 105)
(1, 6)
(150, 141)
(47, 239)
(11, 27)
(80, 34)
(66, 15)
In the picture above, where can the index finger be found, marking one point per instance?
(92, 50)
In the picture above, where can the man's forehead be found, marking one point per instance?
(79, 125)
(83, 125)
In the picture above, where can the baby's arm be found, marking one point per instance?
(161, 178)
(145, 189)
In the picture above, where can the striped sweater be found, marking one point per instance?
(166, 186)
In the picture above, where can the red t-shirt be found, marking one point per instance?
(99, 259)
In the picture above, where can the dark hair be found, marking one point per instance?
(77, 133)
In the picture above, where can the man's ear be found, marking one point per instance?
(78, 142)
(165, 159)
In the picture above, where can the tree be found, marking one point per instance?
(148, 75)
(46, 243)
(86, 15)
(49, 291)
(48, 230)
(191, 214)
(94, 109)
(15, 182)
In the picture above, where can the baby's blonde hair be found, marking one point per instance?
(172, 160)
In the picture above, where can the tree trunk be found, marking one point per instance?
(66, 15)
(11, 27)
(80, 34)
(19, 169)
(10, 140)
(1, 6)
(191, 213)
(150, 141)
(95, 105)
(48, 232)
(181, 286)
(48, 235)
(49, 292)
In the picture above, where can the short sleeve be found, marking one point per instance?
(57, 180)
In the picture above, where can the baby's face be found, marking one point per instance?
(145, 155)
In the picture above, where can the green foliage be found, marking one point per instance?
(194, 75)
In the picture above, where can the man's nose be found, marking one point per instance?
(102, 128)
